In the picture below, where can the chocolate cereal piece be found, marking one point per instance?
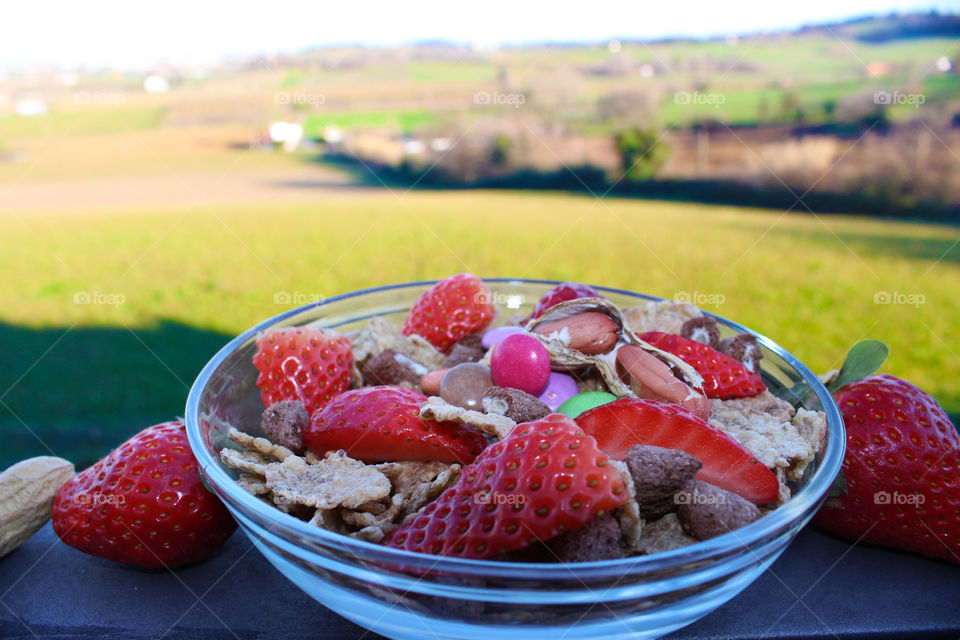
(745, 348)
(658, 474)
(515, 404)
(284, 422)
(706, 511)
(392, 368)
(467, 349)
(703, 329)
(599, 539)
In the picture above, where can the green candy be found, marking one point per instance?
(581, 402)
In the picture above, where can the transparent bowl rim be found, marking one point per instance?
(774, 523)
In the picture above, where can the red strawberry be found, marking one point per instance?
(144, 504)
(619, 425)
(561, 293)
(723, 377)
(383, 424)
(545, 478)
(900, 480)
(303, 363)
(452, 308)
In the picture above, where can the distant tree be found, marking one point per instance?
(791, 108)
(829, 109)
(500, 151)
(642, 153)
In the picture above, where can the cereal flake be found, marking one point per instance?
(438, 409)
(335, 481)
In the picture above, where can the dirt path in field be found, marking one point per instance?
(189, 189)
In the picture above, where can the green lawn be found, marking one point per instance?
(82, 376)
(401, 120)
(79, 122)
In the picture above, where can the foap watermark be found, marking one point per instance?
(700, 298)
(498, 98)
(695, 497)
(114, 100)
(891, 98)
(508, 300)
(300, 98)
(297, 298)
(897, 297)
(495, 497)
(98, 499)
(897, 498)
(697, 98)
(99, 297)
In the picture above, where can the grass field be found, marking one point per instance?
(108, 316)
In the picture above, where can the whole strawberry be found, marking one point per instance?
(561, 293)
(383, 424)
(303, 363)
(449, 310)
(545, 478)
(900, 476)
(723, 377)
(144, 504)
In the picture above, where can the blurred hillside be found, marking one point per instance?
(862, 116)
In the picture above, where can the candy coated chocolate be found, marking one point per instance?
(583, 401)
(560, 388)
(464, 384)
(494, 336)
(520, 362)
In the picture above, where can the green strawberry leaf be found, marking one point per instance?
(863, 359)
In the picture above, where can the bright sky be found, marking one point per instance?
(97, 33)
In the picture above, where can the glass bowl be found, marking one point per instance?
(401, 594)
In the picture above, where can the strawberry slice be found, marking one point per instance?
(383, 424)
(561, 293)
(544, 478)
(619, 425)
(452, 308)
(723, 377)
(302, 363)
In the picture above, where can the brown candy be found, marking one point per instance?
(284, 423)
(391, 368)
(703, 329)
(658, 474)
(517, 405)
(599, 539)
(706, 511)
(745, 348)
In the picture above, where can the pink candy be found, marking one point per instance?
(519, 361)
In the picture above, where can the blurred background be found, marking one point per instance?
(170, 178)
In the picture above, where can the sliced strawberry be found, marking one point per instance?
(449, 310)
(619, 425)
(561, 293)
(383, 424)
(144, 504)
(544, 478)
(303, 363)
(723, 377)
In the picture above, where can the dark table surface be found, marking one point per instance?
(820, 588)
